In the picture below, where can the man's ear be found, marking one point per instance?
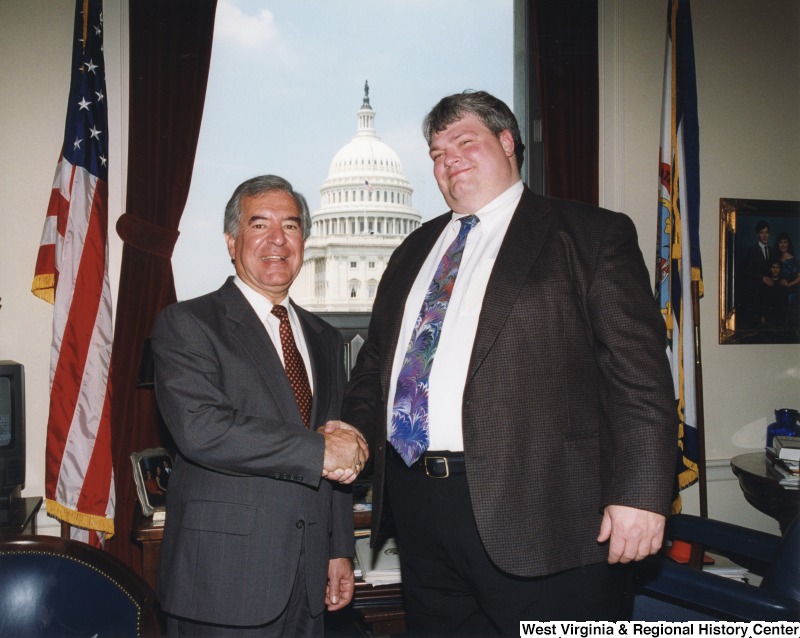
(507, 141)
(231, 241)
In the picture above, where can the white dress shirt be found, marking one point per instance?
(449, 372)
(263, 308)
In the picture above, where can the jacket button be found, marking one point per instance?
(300, 524)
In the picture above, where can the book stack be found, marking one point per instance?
(784, 456)
(378, 565)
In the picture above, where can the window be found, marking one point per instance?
(353, 264)
(371, 265)
(260, 44)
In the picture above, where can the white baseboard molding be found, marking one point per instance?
(719, 470)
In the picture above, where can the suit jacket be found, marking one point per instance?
(568, 404)
(245, 497)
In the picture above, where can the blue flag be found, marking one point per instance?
(678, 248)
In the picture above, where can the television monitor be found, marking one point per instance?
(12, 438)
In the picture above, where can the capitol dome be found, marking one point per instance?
(365, 213)
(364, 154)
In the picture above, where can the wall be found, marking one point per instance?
(747, 56)
(748, 59)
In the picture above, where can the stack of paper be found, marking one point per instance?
(785, 474)
(379, 565)
(787, 447)
(734, 572)
(785, 460)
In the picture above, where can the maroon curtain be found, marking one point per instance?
(563, 34)
(170, 51)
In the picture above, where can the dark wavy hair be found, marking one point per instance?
(494, 113)
(785, 236)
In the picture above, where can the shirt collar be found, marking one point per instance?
(259, 302)
(493, 212)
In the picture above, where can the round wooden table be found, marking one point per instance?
(762, 490)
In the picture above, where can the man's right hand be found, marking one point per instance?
(346, 452)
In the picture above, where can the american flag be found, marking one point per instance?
(72, 274)
(678, 251)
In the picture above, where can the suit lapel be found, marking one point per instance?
(320, 367)
(519, 251)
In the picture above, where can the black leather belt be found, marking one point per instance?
(436, 464)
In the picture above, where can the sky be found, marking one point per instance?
(285, 84)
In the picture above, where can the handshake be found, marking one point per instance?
(346, 452)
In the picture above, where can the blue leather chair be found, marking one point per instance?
(58, 587)
(668, 590)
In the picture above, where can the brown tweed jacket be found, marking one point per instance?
(569, 403)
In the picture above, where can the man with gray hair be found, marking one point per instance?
(516, 394)
(259, 535)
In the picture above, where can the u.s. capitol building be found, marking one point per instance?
(365, 213)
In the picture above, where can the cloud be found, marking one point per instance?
(249, 31)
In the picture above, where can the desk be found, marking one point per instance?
(378, 611)
(762, 491)
(24, 521)
(150, 536)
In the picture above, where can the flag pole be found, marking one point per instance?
(696, 550)
(698, 384)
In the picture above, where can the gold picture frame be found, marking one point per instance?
(151, 470)
(755, 306)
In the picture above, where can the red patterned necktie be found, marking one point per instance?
(293, 362)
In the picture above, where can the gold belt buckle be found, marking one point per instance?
(437, 458)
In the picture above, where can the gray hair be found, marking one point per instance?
(257, 186)
(494, 114)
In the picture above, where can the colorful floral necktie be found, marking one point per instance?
(409, 428)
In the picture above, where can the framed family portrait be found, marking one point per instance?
(759, 272)
(151, 471)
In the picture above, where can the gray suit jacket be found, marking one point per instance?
(568, 404)
(245, 497)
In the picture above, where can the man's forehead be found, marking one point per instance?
(264, 215)
(467, 123)
(467, 120)
(274, 202)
